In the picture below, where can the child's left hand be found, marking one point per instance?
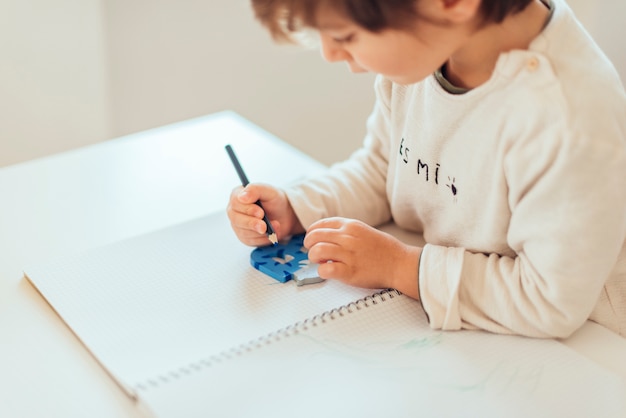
(360, 255)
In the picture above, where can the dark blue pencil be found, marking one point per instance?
(244, 181)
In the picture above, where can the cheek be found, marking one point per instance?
(382, 62)
(388, 65)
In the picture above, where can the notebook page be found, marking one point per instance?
(151, 305)
(384, 361)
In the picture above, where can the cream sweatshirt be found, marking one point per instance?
(518, 187)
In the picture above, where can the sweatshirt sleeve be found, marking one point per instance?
(355, 188)
(568, 226)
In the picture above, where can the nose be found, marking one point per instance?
(331, 51)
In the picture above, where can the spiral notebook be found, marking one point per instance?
(150, 306)
(185, 325)
(377, 357)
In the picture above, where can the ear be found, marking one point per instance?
(459, 11)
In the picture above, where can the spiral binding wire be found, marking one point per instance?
(272, 337)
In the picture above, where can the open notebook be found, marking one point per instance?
(181, 321)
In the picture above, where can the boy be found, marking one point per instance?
(499, 132)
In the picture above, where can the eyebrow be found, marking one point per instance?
(332, 26)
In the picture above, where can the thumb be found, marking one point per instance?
(256, 191)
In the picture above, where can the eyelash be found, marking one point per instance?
(345, 39)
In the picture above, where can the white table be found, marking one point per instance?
(103, 193)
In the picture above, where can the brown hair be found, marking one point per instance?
(285, 17)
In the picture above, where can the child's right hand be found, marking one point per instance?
(246, 217)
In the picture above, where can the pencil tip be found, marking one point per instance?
(273, 239)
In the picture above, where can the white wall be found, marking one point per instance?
(176, 59)
(605, 20)
(53, 93)
(73, 72)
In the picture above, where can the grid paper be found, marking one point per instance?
(154, 305)
(384, 361)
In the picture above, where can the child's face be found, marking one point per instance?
(403, 56)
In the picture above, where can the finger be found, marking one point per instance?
(240, 221)
(254, 192)
(326, 251)
(328, 235)
(237, 204)
(245, 216)
(249, 238)
(254, 238)
(334, 270)
(332, 223)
